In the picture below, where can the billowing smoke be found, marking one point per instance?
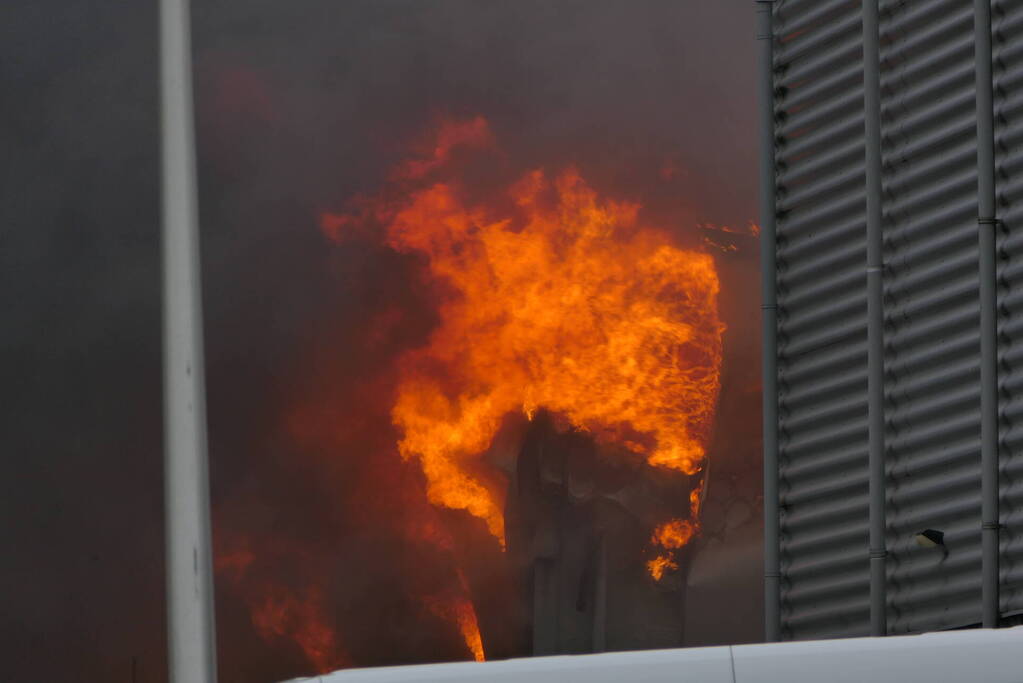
(301, 107)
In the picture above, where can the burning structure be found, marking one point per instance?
(558, 411)
(578, 519)
(328, 552)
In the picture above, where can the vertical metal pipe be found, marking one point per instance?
(987, 223)
(190, 630)
(769, 312)
(875, 318)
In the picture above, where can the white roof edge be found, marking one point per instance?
(992, 656)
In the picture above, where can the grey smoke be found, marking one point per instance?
(300, 106)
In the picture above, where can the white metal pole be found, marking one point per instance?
(190, 630)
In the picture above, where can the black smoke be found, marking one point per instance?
(301, 106)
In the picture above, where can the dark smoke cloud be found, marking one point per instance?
(300, 107)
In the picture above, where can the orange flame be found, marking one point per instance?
(451, 135)
(659, 565)
(674, 534)
(561, 300)
(278, 612)
(470, 630)
(453, 605)
(461, 612)
(302, 620)
(552, 297)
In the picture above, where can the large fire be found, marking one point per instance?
(557, 299)
(549, 297)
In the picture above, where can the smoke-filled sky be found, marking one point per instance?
(301, 106)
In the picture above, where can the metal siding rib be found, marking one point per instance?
(822, 319)
(931, 286)
(1007, 29)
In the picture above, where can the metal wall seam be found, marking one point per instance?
(772, 595)
(1007, 54)
(821, 373)
(986, 227)
(875, 319)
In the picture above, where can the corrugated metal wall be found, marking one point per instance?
(822, 318)
(932, 335)
(1007, 26)
(932, 400)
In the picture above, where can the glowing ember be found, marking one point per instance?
(556, 299)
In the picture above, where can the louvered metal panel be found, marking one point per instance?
(822, 318)
(931, 304)
(932, 340)
(1007, 27)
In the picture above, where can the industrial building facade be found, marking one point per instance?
(893, 314)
